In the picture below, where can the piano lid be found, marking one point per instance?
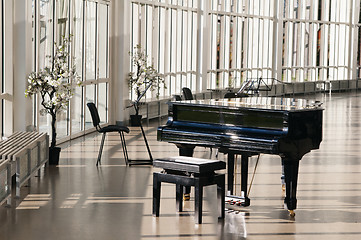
(269, 103)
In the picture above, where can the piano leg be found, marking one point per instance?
(244, 180)
(291, 174)
(186, 151)
(230, 173)
(244, 177)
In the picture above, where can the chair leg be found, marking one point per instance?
(179, 197)
(198, 202)
(124, 146)
(101, 149)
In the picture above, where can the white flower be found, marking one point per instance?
(54, 84)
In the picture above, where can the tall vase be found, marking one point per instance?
(135, 120)
(54, 154)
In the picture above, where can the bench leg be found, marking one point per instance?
(198, 202)
(221, 195)
(101, 149)
(17, 179)
(188, 152)
(179, 197)
(156, 195)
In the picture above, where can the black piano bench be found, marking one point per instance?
(188, 171)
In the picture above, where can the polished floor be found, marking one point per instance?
(77, 200)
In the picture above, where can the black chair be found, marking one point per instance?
(110, 128)
(230, 95)
(187, 93)
(177, 98)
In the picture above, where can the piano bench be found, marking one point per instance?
(187, 172)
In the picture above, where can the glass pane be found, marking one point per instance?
(32, 32)
(46, 28)
(90, 40)
(90, 97)
(103, 43)
(2, 81)
(62, 126)
(103, 102)
(62, 21)
(45, 123)
(78, 36)
(76, 110)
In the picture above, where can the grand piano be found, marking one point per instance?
(249, 126)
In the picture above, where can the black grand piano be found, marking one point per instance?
(248, 126)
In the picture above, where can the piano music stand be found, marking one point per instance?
(136, 108)
(254, 86)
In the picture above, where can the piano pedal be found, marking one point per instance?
(186, 197)
(237, 201)
(292, 213)
(283, 187)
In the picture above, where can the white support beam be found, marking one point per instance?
(120, 60)
(22, 57)
(8, 68)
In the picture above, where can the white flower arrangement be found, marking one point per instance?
(144, 73)
(54, 84)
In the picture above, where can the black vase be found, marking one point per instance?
(135, 120)
(54, 154)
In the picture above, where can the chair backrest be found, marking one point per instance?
(177, 98)
(187, 93)
(94, 113)
(230, 95)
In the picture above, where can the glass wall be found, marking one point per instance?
(87, 24)
(241, 46)
(317, 40)
(167, 31)
(290, 40)
(76, 104)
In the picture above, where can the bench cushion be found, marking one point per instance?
(189, 164)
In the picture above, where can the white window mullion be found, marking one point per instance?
(354, 19)
(324, 41)
(213, 50)
(155, 43)
(178, 52)
(184, 49)
(167, 46)
(196, 42)
(313, 41)
(332, 39)
(236, 50)
(227, 42)
(143, 27)
(135, 26)
(189, 46)
(173, 51)
(301, 43)
(2, 34)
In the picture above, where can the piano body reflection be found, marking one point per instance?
(249, 126)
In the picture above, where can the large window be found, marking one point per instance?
(87, 24)
(317, 40)
(167, 31)
(241, 42)
(231, 41)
